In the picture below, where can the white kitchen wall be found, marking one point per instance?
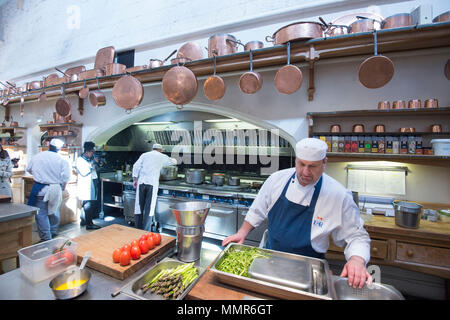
(37, 38)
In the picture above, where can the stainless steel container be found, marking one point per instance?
(195, 176)
(191, 213)
(74, 273)
(189, 242)
(407, 214)
(168, 173)
(376, 291)
(129, 199)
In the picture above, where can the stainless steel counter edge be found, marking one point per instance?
(12, 211)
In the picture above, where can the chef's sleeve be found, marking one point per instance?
(137, 167)
(259, 209)
(82, 168)
(65, 174)
(351, 231)
(170, 161)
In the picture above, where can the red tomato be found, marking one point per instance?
(134, 243)
(126, 247)
(67, 256)
(143, 245)
(50, 262)
(116, 255)
(156, 239)
(150, 234)
(135, 252)
(151, 243)
(143, 237)
(124, 258)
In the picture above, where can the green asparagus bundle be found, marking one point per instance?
(172, 282)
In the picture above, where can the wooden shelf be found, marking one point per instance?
(18, 146)
(385, 112)
(59, 125)
(442, 161)
(379, 133)
(425, 36)
(12, 128)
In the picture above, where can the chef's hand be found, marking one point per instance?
(135, 184)
(237, 238)
(356, 272)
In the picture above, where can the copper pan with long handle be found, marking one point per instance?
(214, 87)
(297, 31)
(179, 85)
(97, 98)
(128, 92)
(156, 63)
(288, 79)
(251, 81)
(63, 107)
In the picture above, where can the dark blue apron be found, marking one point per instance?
(35, 189)
(289, 227)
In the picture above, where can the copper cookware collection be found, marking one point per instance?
(414, 104)
(222, 44)
(296, 31)
(397, 21)
(382, 105)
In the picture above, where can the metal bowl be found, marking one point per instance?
(191, 213)
(74, 272)
(376, 291)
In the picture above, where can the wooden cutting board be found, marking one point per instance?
(102, 243)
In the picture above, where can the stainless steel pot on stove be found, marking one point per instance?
(234, 181)
(407, 214)
(195, 176)
(168, 173)
(218, 179)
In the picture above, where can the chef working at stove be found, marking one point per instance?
(146, 172)
(304, 206)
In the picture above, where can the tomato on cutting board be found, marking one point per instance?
(143, 245)
(143, 237)
(116, 255)
(150, 242)
(126, 247)
(156, 239)
(134, 243)
(135, 252)
(125, 258)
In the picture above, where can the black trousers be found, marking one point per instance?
(90, 211)
(145, 201)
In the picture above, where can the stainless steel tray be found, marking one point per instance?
(376, 291)
(322, 286)
(133, 288)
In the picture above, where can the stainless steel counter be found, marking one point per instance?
(15, 286)
(11, 211)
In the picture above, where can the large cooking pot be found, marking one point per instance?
(168, 173)
(442, 17)
(397, 21)
(407, 214)
(234, 181)
(297, 31)
(218, 179)
(364, 24)
(218, 45)
(195, 176)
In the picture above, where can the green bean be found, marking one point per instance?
(237, 261)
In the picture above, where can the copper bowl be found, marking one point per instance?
(431, 103)
(335, 128)
(358, 128)
(414, 104)
(384, 105)
(380, 128)
(436, 128)
(399, 104)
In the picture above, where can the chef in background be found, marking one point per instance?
(304, 206)
(5, 173)
(87, 186)
(51, 173)
(146, 171)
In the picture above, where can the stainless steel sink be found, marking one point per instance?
(376, 291)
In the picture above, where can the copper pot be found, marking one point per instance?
(75, 70)
(410, 129)
(297, 31)
(382, 105)
(35, 85)
(137, 68)
(68, 77)
(191, 50)
(431, 103)
(414, 104)
(89, 74)
(114, 68)
(53, 79)
(399, 104)
(253, 45)
(437, 128)
(335, 128)
(97, 98)
(397, 21)
(218, 45)
(380, 128)
(363, 24)
(250, 82)
(156, 63)
(128, 92)
(442, 17)
(358, 128)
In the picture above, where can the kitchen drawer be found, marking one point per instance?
(423, 254)
(378, 248)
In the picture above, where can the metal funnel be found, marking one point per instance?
(191, 213)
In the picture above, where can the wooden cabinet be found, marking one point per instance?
(413, 253)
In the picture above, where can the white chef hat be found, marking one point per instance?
(58, 143)
(157, 146)
(311, 149)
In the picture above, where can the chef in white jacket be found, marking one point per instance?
(146, 171)
(304, 206)
(5, 173)
(51, 173)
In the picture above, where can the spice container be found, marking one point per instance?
(328, 141)
(411, 145)
(341, 143)
(374, 148)
(334, 143)
(428, 151)
(395, 145)
(403, 144)
(361, 145)
(381, 144)
(367, 144)
(354, 140)
(347, 144)
(419, 149)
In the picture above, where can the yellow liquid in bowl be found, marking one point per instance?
(70, 285)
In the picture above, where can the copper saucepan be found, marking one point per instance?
(214, 87)
(380, 128)
(97, 98)
(63, 107)
(253, 45)
(69, 77)
(156, 63)
(288, 79)
(397, 21)
(221, 44)
(297, 31)
(431, 103)
(382, 105)
(335, 128)
(437, 128)
(358, 128)
(114, 68)
(334, 29)
(250, 82)
(363, 24)
(414, 104)
(399, 104)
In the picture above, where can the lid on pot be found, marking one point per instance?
(406, 206)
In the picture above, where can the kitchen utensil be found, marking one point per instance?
(75, 70)
(358, 128)
(398, 20)
(63, 107)
(431, 103)
(62, 278)
(218, 179)
(437, 128)
(297, 31)
(191, 50)
(376, 291)
(335, 128)
(363, 24)
(253, 45)
(407, 214)
(117, 199)
(288, 78)
(90, 74)
(189, 242)
(53, 79)
(349, 18)
(379, 128)
(156, 63)
(179, 85)
(84, 92)
(102, 243)
(97, 98)
(128, 92)
(398, 104)
(168, 173)
(443, 17)
(382, 105)
(195, 176)
(114, 68)
(376, 71)
(103, 57)
(234, 181)
(190, 213)
(414, 104)
(69, 77)
(214, 87)
(35, 85)
(219, 46)
(334, 30)
(250, 82)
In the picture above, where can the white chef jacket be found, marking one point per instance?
(86, 173)
(48, 167)
(335, 213)
(147, 169)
